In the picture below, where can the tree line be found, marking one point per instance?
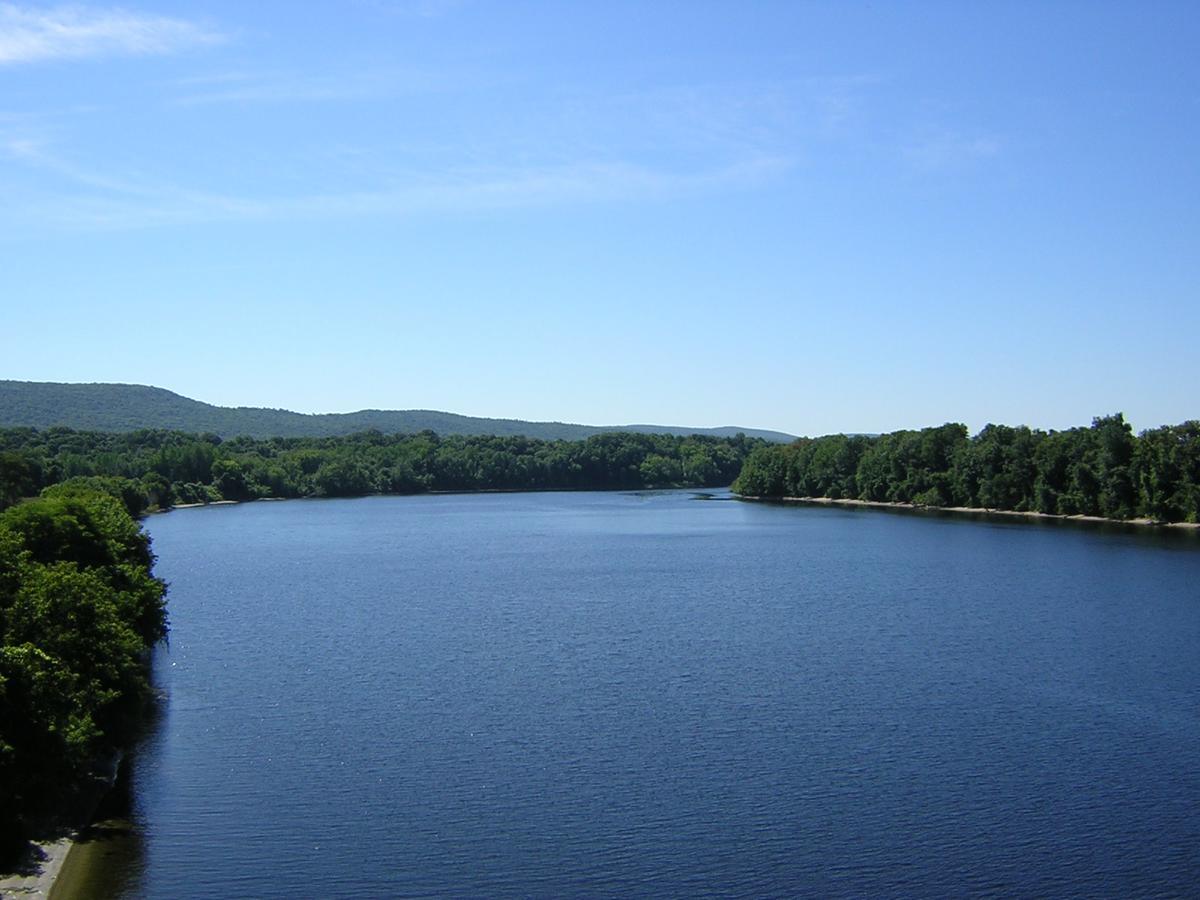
(1101, 470)
(154, 468)
(79, 611)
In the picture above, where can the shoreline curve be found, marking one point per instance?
(972, 511)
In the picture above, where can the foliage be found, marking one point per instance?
(1166, 472)
(79, 608)
(149, 469)
(135, 496)
(19, 477)
(1103, 470)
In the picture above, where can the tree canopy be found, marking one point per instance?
(146, 469)
(1101, 470)
(79, 608)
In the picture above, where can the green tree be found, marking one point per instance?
(343, 478)
(132, 494)
(229, 478)
(660, 471)
(78, 609)
(18, 478)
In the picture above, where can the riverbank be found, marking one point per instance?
(973, 511)
(38, 869)
(442, 493)
(814, 501)
(43, 866)
(71, 867)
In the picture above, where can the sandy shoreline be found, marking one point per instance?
(538, 490)
(816, 501)
(40, 866)
(38, 870)
(974, 511)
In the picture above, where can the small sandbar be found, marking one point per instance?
(973, 511)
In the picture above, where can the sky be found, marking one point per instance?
(811, 217)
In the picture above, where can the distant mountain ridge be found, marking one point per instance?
(130, 407)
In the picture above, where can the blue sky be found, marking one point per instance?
(804, 216)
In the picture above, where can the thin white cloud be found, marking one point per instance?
(484, 190)
(838, 100)
(34, 34)
(421, 9)
(85, 201)
(22, 148)
(950, 151)
(247, 86)
(737, 119)
(282, 88)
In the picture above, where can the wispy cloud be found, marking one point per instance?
(36, 155)
(949, 151)
(82, 200)
(838, 100)
(22, 148)
(294, 87)
(498, 189)
(34, 34)
(421, 9)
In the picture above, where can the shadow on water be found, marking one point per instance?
(103, 865)
(109, 856)
(1188, 538)
(1178, 537)
(98, 812)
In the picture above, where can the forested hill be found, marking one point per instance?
(131, 407)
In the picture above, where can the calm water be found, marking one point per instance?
(651, 694)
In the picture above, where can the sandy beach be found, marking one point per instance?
(975, 511)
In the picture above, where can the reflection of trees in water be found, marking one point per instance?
(110, 860)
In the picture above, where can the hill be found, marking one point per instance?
(130, 407)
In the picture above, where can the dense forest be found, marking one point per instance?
(132, 407)
(1102, 470)
(148, 469)
(79, 609)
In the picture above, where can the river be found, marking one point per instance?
(667, 694)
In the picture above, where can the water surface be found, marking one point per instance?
(646, 694)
